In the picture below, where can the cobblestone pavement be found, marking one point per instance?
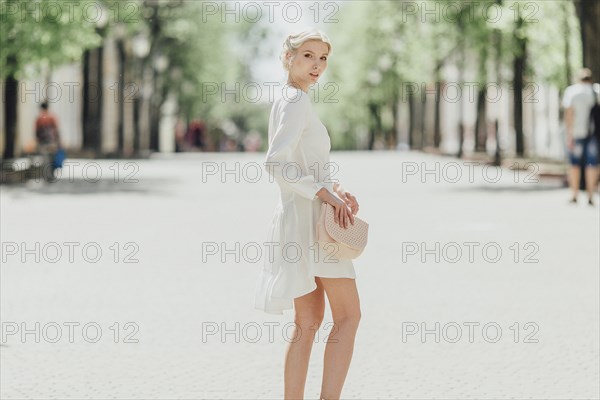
(473, 285)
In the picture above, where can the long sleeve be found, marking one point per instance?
(279, 163)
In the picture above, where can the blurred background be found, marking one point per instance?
(127, 78)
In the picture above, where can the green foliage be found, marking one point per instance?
(371, 34)
(38, 33)
(211, 57)
(378, 46)
(548, 39)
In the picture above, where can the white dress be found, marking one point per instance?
(297, 159)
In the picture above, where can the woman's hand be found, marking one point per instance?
(342, 214)
(348, 198)
(351, 202)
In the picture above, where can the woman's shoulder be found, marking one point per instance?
(291, 98)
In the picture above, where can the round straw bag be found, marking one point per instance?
(339, 242)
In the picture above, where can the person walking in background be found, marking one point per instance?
(195, 137)
(48, 141)
(298, 138)
(578, 101)
(46, 128)
(180, 132)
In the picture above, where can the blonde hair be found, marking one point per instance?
(293, 42)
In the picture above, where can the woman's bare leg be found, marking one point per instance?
(309, 312)
(345, 310)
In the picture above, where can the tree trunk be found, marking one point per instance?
(156, 100)
(439, 63)
(481, 121)
(10, 116)
(519, 70)
(437, 132)
(498, 68)
(423, 109)
(461, 81)
(375, 123)
(411, 119)
(392, 134)
(121, 92)
(518, 104)
(92, 100)
(137, 134)
(567, 36)
(588, 12)
(396, 116)
(393, 142)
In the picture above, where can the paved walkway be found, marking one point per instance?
(471, 288)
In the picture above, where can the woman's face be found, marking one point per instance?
(309, 63)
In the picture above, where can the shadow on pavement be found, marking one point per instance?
(529, 187)
(82, 187)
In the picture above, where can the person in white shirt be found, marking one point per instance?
(578, 101)
(298, 159)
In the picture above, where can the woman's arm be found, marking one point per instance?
(569, 127)
(293, 117)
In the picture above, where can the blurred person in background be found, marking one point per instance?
(252, 142)
(180, 136)
(578, 101)
(195, 136)
(48, 138)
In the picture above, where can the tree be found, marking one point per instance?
(519, 65)
(588, 12)
(38, 35)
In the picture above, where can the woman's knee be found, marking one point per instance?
(348, 318)
(309, 319)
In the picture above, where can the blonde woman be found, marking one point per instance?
(297, 273)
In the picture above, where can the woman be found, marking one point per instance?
(298, 273)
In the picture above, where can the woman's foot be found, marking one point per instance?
(590, 202)
(573, 200)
